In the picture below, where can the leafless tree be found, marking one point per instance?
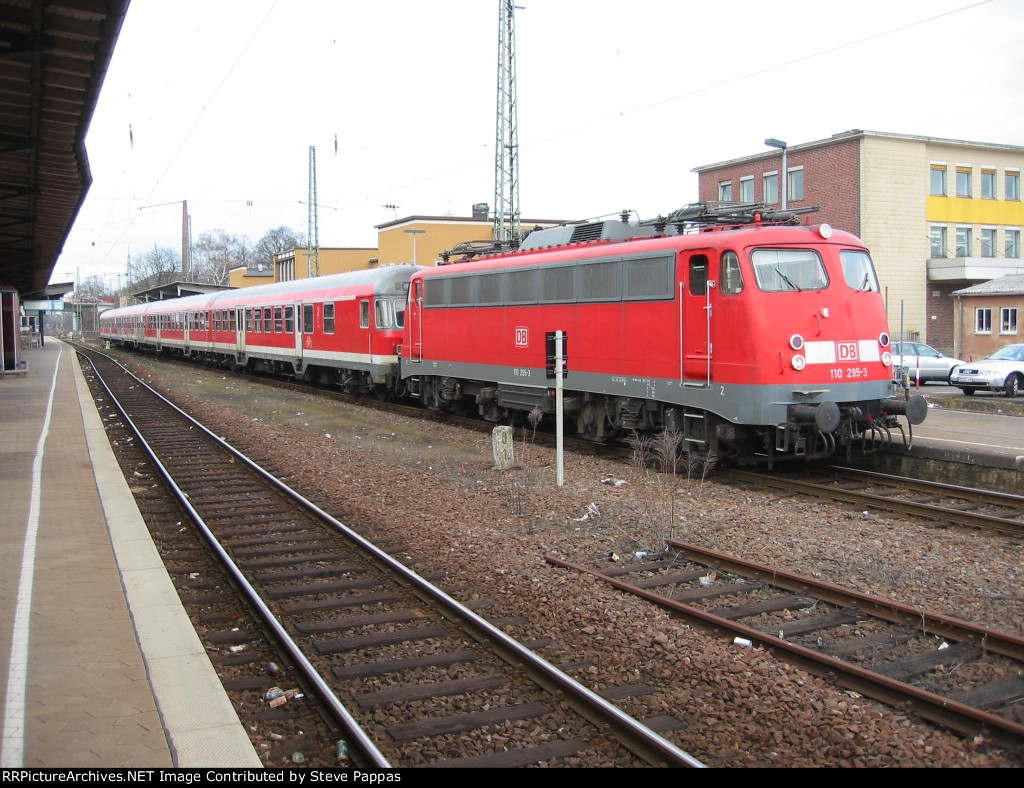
(216, 252)
(280, 239)
(157, 266)
(91, 288)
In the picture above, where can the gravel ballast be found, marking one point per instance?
(433, 487)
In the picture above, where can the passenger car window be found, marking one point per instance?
(382, 313)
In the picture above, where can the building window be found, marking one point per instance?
(983, 320)
(963, 241)
(1008, 320)
(796, 183)
(938, 237)
(1012, 185)
(938, 188)
(988, 184)
(747, 188)
(963, 181)
(725, 191)
(1012, 244)
(771, 188)
(988, 242)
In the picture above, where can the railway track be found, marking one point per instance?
(962, 676)
(966, 506)
(409, 676)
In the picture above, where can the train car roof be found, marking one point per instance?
(385, 280)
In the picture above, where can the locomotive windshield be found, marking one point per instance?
(784, 270)
(858, 270)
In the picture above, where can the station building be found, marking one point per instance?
(938, 215)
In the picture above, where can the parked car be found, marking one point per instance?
(921, 362)
(1002, 371)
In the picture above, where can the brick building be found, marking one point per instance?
(938, 215)
(986, 316)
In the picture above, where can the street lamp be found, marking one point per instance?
(414, 233)
(771, 142)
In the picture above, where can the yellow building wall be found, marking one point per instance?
(894, 187)
(437, 235)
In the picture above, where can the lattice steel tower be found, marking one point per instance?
(506, 147)
(313, 236)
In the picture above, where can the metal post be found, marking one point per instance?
(559, 417)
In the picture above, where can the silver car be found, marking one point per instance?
(921, 362)
(1002, 371)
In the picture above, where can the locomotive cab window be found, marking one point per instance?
(788, 270)
(399, 305)
(858, 270)
(732, 276)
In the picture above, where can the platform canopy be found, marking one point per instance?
(53, 58)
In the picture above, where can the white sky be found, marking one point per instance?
(618, 102)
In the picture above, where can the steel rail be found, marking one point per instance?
(640, 739)
(344, 718)
(929, 511)
(923, 485)
(949, 713)
(993, 640)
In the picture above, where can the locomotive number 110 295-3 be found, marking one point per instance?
(850, 373)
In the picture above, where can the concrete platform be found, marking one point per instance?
(104, 667)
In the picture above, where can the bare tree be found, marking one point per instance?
(157, 266)
(216, 252)
(280, 239)
(91, 288)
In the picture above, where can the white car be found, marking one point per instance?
(921, 362)
(1002, 371)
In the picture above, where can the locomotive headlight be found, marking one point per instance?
(796, 342)
(887, 358)
(799, 362)
(825, 230)
(883, 339)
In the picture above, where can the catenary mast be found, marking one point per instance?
(506, 149)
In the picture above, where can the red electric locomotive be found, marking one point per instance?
(342, 328)
(756, 337)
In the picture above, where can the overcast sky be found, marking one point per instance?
(217, 101)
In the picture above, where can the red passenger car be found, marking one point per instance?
(342, 328)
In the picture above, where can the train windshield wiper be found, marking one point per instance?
(787, 280)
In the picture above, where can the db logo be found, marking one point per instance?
(847, 351)
(522, 336)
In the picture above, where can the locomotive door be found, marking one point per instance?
(695, 320)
